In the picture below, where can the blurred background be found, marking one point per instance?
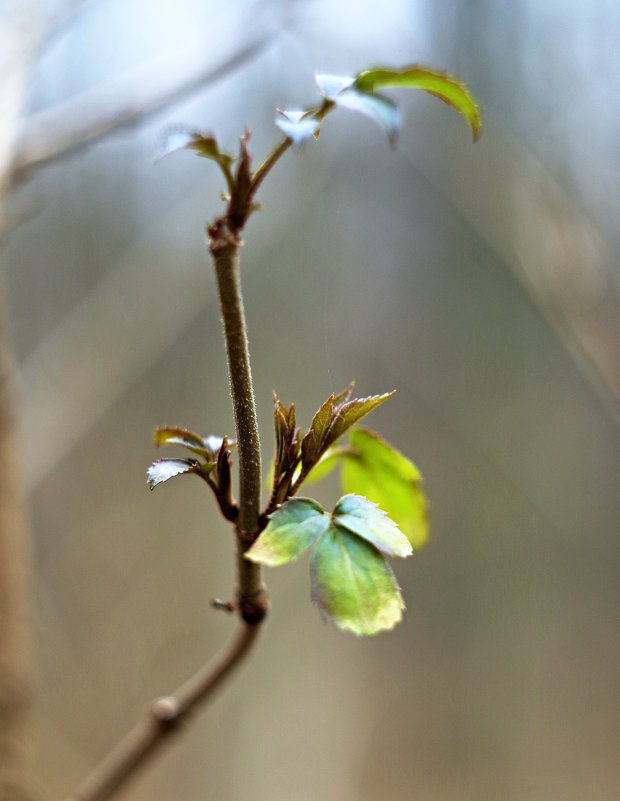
(481, 281)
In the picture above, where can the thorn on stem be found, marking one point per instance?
(223, 606)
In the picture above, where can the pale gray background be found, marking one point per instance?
(404, 269)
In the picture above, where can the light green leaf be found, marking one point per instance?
(375, 468)
(352, 412)
(292, 529)
(353, 585)
(364, 518)
(326, 464)
(164, 469)
(439, 84)
(297, 126)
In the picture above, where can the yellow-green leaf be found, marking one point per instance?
(439, 84)
(375, 469)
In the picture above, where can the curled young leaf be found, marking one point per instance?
(204, 144)
(439, 84)
(174, 435)
(298, 127)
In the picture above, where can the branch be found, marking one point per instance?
(224, 246)
(86, 118)
(164, 719)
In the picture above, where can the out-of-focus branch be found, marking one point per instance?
(164, 719)
(551, 246)
(75, 123)
(20, 34)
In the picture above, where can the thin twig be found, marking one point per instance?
(265, 167)
(164, 719)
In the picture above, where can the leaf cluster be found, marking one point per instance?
(351, 580)
(355, 93)
(213, 464)
(352, 584)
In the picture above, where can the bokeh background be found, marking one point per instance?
(481, 281)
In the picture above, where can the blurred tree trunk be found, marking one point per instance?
(15, 682)
(19, 35)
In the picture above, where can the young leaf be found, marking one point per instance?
(205, 146)
(213, 444)
(296, 126)
(379, 108)
(375, 468)
(312, 443)
(344, 395)
(173, 435)
(331, 86)
(364, 518)
(292, 529)
(344, 92)
(164, 469)
(326, 464)
(439, 84)
(353, 585)
(351, 412)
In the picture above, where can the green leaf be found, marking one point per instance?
(298, 127)
(439, 84)
(352, 412)
(292, 529)
(375, 468)
(353, 585)
(364, 518)
(312, 443)
(164, 469)
(205, 146)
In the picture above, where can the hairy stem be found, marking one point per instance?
(224, 246)
(162, 721)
